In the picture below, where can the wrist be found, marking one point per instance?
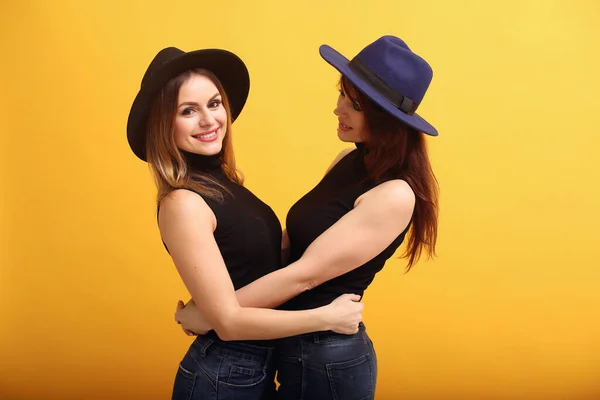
(325, 318)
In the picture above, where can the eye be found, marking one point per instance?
(355, 104)
(187, 111)
(214, 104)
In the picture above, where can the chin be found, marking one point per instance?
(344, 137)
(207, 149)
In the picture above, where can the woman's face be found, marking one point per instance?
(352, 125)
(200, 119)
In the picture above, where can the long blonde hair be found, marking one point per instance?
(167, 163)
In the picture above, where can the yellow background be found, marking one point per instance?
(509, 310)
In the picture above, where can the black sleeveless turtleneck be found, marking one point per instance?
(248, 232)
(316, 212)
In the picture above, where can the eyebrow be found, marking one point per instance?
(193, 103)
(353, 99)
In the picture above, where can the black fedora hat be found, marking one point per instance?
(169, 63)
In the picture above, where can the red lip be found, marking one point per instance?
(344, 128)
(200, 137)
(204, 133)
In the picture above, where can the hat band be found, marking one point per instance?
(399, 101)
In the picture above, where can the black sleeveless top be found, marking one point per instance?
(248, 232)
(318, 210)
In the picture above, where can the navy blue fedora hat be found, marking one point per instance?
(170, 62)
(391, 75)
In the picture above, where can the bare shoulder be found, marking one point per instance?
(337, 159)
(182, 206)
(181, 200)
(392, 196)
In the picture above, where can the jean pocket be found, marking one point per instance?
(183, 387)
(241, 373)
(352, 380)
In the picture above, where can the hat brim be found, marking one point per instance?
(339, 62)
(229, 69)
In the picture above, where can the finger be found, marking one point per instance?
(351, 296)
(355, 297)
(178, 307)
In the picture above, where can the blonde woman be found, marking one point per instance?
(220, 236)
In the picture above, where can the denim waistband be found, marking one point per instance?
(324, 336)
(268, 344)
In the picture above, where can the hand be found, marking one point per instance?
(345, 313)
(181, 306)
(191, 320)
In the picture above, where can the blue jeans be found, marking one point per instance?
(214, 369)
(327, 366)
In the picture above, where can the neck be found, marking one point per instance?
(362, 147)
(203, 163)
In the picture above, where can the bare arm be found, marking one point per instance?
(186, 225)
(378, 217)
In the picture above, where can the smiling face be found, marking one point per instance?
(352, 125)
(200, 123)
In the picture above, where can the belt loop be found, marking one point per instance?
(316, 337)
(202, 344)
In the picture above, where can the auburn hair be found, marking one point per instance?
(167, 162)
(398, 151)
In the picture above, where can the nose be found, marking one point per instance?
(336, 110)
(342, 106)
(206, 119)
